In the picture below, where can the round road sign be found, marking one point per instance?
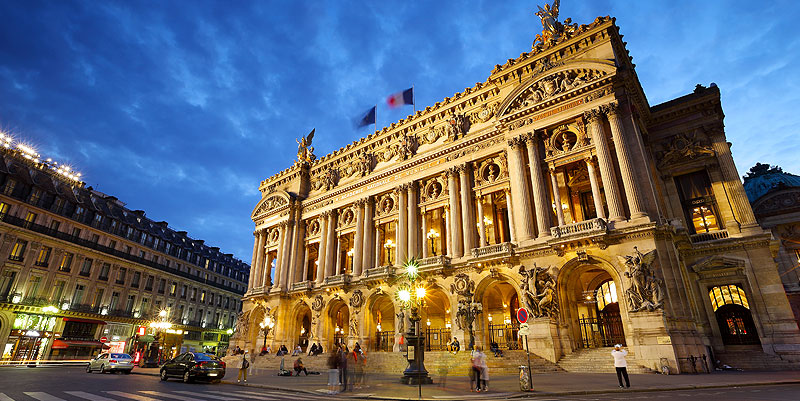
(103, 339)
(522, 315)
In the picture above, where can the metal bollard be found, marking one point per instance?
(524, 383)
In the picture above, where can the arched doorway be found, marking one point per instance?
(435, 321)
(302, 330)
(338, 325)
(590, 295)
(732, 310)
(381, 324)
(500, 304)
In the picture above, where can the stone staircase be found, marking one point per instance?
(598, 360)
(747, 357)
(437, 363)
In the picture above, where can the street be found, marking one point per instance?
(73, 383)
(750, 393)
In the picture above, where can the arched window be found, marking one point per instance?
(730, 294)
(606, 294)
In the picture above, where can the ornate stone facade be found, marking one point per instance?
(543, 164)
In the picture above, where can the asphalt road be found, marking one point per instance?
(73, 383)
(748, 393)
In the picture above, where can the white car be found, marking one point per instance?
(111, 362)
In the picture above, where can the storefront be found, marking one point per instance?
(119, 336)
(78, 339)
(30, 337)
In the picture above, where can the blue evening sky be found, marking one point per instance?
(180, 108)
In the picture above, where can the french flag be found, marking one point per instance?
(401, 98)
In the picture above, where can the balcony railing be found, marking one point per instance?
(120, 313)
(709, 236)
(593, 226)
(302, 286)
(381, 271)
(86, 308)
(339, 279)
(439, 260)
(492, 250)
(18, 222)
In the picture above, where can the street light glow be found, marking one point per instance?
(420, 292)
(404, 295)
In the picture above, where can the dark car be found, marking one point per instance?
(194, 365)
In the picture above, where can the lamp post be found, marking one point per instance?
(469, 310)
(389, 246)
(413, 297)
(432, 236)
(266, 325)
(160, 326)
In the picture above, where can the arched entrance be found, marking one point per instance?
(338, 326)
(381, 323)
(302, 330)
(591, 306)
(435, 321)
(257, 339)
(500, 304)
(732, 310)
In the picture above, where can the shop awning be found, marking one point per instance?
(62, 344)
(79, 320)
(146, 339)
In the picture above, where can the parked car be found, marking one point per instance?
(111, 362)
(194, 365)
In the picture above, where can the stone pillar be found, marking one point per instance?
(304, 273)
(519, 190)
(557, 197)
(449, 237)
(629, 178)
(598, 201)
(287, 250)
(402, 224)
(425, 240)
(330, 253)
(323, 248)
(358, 247)
(299, 251)
(455, 214)
(338, 256)
(378, 245)
(481, 223)
(741, 207)
(254, 263)
(512, 230)
(467, 213)
(276, 281)
(369, 240)
(615, 210)
(413, 221)
(258, 265)
(542, 210)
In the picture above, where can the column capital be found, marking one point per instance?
(401, 188)
(360, 203)
(610, 109)
(517, 142)
(451, 172)
(591, 159)
(593, 115)
(462, 168)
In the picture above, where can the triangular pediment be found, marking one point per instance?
(271, 203)
(717, 262)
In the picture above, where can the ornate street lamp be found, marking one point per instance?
(160, 326)
(389, 245)
(267, 325)
(432, 236)
(412, 297)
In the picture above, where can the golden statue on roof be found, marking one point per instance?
(549, 17)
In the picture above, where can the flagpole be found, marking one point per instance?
(375, 123)
(413, 99)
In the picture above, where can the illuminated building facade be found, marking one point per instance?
(77, 266)
(553, 185)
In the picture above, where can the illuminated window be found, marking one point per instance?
(30, 218)
(728, 295)
(3, 209)
(18, 252)
(44, 256)
(66, 262)
(698, 203)
(36, 194)
(606, 294)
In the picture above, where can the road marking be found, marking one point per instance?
(43, 396)
(167, 395)
(278, 396)
(132, 396)
(213, 397)
(244, 394)
(89, 396)
(4, 397)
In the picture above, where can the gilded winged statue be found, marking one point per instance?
(549, 16)
(305, 152)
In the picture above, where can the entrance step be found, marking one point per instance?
(598, 360)
(753, 358)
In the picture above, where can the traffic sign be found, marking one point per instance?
(522, 315)
(103, 339)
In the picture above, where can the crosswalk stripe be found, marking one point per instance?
(132, 396)
(244, 394)
(276, 396)
(213, 397)
(167, 395)
(89, 396)
(4, 397)
(41, 396)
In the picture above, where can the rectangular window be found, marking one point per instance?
(98, 298)
(43, 258)
(112, 244)
(3, 209)
(148, 285)
(121, 275)
(98, 220)
(77, 296)
(30, 219)
(86, 269)
(8, 189)
(136, 277)
(203, 296)
(162, 284)
(95, 238)
(173, 288)
(76, 232)
(66, 262)
(58, 205)
(129, 303)
(145, 307)
(114, 301)
(141, 254)
(698, 202)
(194, 295)
(33, 287)
(184, 290)
(18, 252)
(36, 194)
(55, 225)
(58, 291)
(104, 272)
(79, 212)
(7, 282)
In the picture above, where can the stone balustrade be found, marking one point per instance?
(380, 271)
(709, 236)
(592, 226)
(339, 279)
(302, 286)
(434, 260)
(501, 249)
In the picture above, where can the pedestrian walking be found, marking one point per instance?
(333, 372)
(481, 370)
(243, 364)
(343, 371)
(621, 365)
(252, 363)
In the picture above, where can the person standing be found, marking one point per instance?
(621, 365)
(333, 372)
(482, 373)
(243, 365)
(343, 372)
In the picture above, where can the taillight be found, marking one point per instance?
(223, 364)
(113, 361)
(201, 364)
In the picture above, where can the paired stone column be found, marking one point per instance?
(467, 212)
(556, 196)
(402, 224)
(540, 198)
(322, 257)
(615, 210)
(287, 250)
(481, 223)
(338, 256)
(449, 237)
(331, 246)
(369, 240)
(258, 267)
(425, 252)
(253, 263)
(304, 270)
(358, 247)
(512, 230)
(455, 245)
(413, 221)
(519, 189)
(276, 281)
(598, 201)
(299, 251)
(740, 205)
(629, 178)
(378, 245)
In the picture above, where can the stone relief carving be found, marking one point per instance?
(456, 127)
(407, 147)
(400, 322)
(271, 203)
(242, 325)
(347, 217)
(364, 165)
(318, 303)
(565, 138)
(327, 180)
(353, 327)
(683, 147)
(490, 170)
(552, 85)
(385, 204)
(433, 189)
(313, 227)
(273, 236)
(539, 287)
(463, 285)
(357, 299)
(646, 291)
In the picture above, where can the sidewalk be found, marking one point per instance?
(388, 387)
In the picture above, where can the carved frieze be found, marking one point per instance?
(565, 139)
(357, 299)
(270, 204)
(552, 86)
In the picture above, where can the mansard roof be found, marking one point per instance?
(762, 180)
